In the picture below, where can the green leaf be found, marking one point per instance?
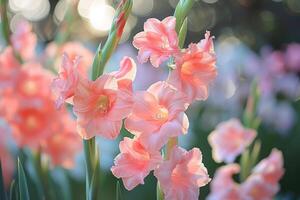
(4, 21)
(255, 153)
(2, 188)
(13, 192)
(181, 11)
(182, 33)
(118, 191)
(23, 188)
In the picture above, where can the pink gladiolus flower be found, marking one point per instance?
(126, 73)
(9, 67)
(195, 69)
(157, 115)
(158, 41)
(223, 186)
(255, 188)
(66, 82)
(75, 50)
(229, 140)
(24, 41)
(100, 107)
(181, 176)
(292, 57)
(134, 162)
(63, 145)
(270, 168)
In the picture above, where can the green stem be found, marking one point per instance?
(4, 21)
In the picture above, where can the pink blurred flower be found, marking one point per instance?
(229, 140)
(134, 162)
(181, 176)
(7, 164)
(75, 50)
(9, 67)
(65, 84)
(292, 57)
(63, 145)
(157, 115)
(195, 69)
(274, 62)
(31, 123)
(270, 168)
(223, 186)
(255, 188)
(100, 107)
(158, 41)
(24, 41)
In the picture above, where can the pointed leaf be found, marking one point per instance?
(159, 193)
(118, 191)
(2, 187)
(13, 192)
(23, 188)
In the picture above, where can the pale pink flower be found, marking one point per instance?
(75, 50)
(157, 115)
(255, 188)
(181, 176)
(195, 69)
(158, 41)
(223, 186)
(7, 164)
(134, 162)
(292, 57)
(24, 41)
(126, 74)
(270, 168)
(9, 67)
(63, 145)
(229, 140)
(100, 107)
(65, 84)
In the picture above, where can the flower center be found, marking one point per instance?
(30, 87)
(187, 68)
(102, 104)
(31, 122)
(165, 43)
(162, 114)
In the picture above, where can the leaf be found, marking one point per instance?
(118, 191)
(2, 188)
(255, 152)
(23, 188)
(182, 33)
(13, 193)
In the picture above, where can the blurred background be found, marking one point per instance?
(254, 39)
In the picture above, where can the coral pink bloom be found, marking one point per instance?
(100, 107)
(134, 162)
(157, 115)
(9, 67)
(181, 176)
(63, 145)
(30, 123)
(126, 73)
(74, 50)
(270, 168)
(7, 164)
(65, 84)
(255, 188)
(158, 41)
(229, 140)
(223, 186)
(24, 41)
(195, 69)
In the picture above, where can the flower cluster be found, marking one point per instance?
(229, 140)
(152, 116)
(27, 103)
